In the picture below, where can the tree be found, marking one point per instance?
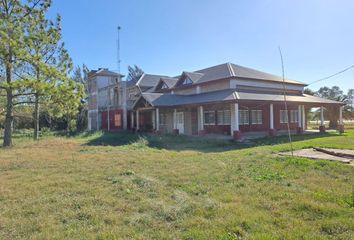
(49, 59)
(351, 99)
(308, 91)
(65, 102)
(34, 62)
(134, 73)
(13, 14)
(81, 77)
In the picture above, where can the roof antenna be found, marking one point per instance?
(118, 50)
(285, 103)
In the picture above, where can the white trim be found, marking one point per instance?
(303, 117)
(322, 116)
(137, 119)
(237, 125)
(138, 82)
(201, 118)
(299, 122)
(197, 89)
(271, 116)
(175, 118)
(157, 119)
(153, 118)
(341, 115)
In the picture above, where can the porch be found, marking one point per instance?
(240, 120)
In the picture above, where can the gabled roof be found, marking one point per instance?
(170, 82)
(230, 70)
(104, 72)
(149, 80)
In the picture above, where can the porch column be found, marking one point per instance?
(108, 122)
(157, 120)
(153, 115)
(299, 129)
(341, 115)
(132, 120)
(175, 130)
(271, 120)
(137, 120)
(322, 126)
(236, 133)
(201, 121)
(341, 124)
(303, 115)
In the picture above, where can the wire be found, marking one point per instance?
(319, 80)
(333, 75)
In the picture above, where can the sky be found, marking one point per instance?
(170, 36)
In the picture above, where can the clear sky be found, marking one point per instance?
(169, 36)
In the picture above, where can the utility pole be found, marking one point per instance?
(122, 84)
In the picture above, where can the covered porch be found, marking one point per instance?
(236, 118)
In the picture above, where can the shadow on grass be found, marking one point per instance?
(183, 142)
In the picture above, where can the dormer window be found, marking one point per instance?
(187, 81)
(164, 86)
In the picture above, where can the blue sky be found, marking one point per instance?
(167, 37)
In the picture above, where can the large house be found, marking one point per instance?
(225, 99)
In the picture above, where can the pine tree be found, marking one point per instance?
(134, 73)
(34, 61)
(13, 14)
(49, 58)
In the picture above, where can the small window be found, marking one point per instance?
(243, 117)
(164, 86)
(209, 118)
(283, 116)
(163, 119)
(224, 117)
(294, 116)
(256, 116)
(187, 81)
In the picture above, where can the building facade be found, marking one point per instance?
(226, 99)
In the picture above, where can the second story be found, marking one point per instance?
(104, 88)
(227, 76)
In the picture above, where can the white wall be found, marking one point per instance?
(265, 84)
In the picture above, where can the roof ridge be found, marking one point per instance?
(231, 70)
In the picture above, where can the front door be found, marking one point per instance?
(180, 122)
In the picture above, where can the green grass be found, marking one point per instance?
(125, 186)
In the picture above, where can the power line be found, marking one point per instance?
(333, 75)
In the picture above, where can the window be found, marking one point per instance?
(283, 116)
(209, 118)
(243, 117)
(117, 120)
(294, 116)
(256, 116)
(163, 118)
(164, 86)
(224, 117)
(187, 81)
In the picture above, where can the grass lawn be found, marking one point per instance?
(122, 186)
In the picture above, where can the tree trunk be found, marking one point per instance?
(68, 124)
(9, 118)
(36, 118)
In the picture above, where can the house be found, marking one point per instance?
(225, 99)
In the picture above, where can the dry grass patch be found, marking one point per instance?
(122, 186)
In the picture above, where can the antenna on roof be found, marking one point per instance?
(118, 49)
